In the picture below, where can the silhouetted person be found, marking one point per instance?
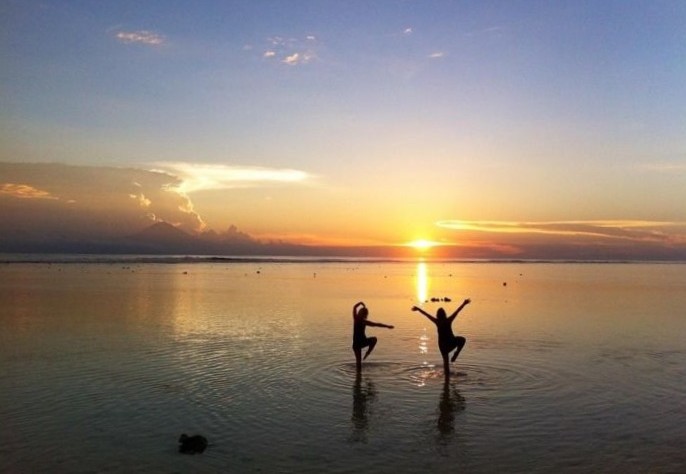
(447, 341)
(360, 339)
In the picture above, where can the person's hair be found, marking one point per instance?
(441, 313)
(363, 312)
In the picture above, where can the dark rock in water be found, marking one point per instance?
(192, 444)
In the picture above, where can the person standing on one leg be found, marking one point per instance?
(360, 339)
(447, 341)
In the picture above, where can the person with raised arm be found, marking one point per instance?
(447, 341)
(360, 339)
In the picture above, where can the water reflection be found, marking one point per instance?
(364, 395)
(422, 283)
(424, 342)
(450, 403)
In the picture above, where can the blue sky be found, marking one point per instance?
(396, 114)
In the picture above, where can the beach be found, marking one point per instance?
(570, 367)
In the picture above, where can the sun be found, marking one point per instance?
(422, 244)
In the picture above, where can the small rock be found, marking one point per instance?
(192, 444)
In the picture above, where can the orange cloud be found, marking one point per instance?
(141, 200)
(578, 239)
(24, 191)
(610, 229)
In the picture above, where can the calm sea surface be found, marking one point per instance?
(567, 367)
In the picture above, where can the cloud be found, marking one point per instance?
(291, 51)
(436, 55)
(664, 167)
(276, 41)
(141, 36)
(90, 202)
(24, 191)
(633, 230)
(141, 200)
(293, 59)
(491, 31)
(575, 240)
(407, 31)
(200, 177)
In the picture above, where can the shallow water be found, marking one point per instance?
(569, 367)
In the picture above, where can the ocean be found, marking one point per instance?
(568, 367)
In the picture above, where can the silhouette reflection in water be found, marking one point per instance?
(364, 395)
(450, 403)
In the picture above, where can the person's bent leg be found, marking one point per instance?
(461, 341)
(372, 343)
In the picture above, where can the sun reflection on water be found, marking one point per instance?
(427, 370)
(422, 283)
(423, 343)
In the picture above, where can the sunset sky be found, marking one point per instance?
(494, 127)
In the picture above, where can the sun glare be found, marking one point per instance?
(422, 245)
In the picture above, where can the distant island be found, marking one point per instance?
(163, 238)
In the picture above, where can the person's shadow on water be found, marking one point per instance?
(364, 394)
(449, 404)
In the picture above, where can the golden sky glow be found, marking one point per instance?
(280, 206)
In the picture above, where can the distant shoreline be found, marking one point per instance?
(193, 259)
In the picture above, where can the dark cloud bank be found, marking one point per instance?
(57, 208)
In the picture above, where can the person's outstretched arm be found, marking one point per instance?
(380, 325)
(417, 308)
(464, 303)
